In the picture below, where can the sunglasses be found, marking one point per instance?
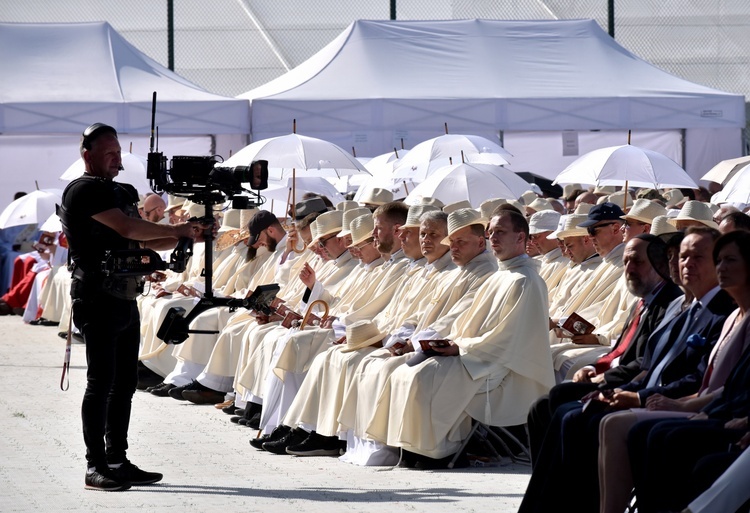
(322, 242)
(593, 229)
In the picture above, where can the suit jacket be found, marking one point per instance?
(734, 400)
(630, 360)
(683, 373)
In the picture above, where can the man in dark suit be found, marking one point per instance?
(673, 366)
(647, 274)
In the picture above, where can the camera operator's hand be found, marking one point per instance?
(192, 230)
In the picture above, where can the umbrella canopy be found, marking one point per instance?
(33, 208)
(428, 156)
(133, 172)
(280, 190)
(736, 190)
(473, 182)
(298, 152)
(52, 224)
(726, 169)
(615, 165)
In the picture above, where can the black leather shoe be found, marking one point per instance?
(176, 392)
(278, 433)
(296, 436)
(162, 390)
(104, 481)
(206, 396)
(130, 473)
(251, 423)
(230, 410)
(316, 445)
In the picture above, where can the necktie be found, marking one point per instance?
(678, 345)
(605, 362)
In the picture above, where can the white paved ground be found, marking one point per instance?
(207, 462)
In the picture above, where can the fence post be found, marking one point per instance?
(170, 34)
(393, 9)
(611, 17)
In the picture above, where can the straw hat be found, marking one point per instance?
(193, 209)
(452, 207)
(569, 190)
(604, 189)
(695, 211)
(361, 334)
(661, 226)
(560, 227)
(645, 211)
(571, 228)
(361, 228)
(583, 208)
(230, 220)
(415, 212)
(528, 196)
(516, 204)
(673, 197)
(326, 224)
(434, 202)
(173, 202)
(462, 218)
(349, 216)
(714, 208)
(346, 205)
(539, 204)
(376, 196)
(487, 207)
(619, 198)
(306, 207)
(544, 221)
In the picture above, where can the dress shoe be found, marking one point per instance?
(43, 322)
(230, 410)
(316, 445)
(176, 392)
(294, 437)
(5, 308)
(229, 403)
(236, 419)
(162, 390)
(253, 423)
(206, 396)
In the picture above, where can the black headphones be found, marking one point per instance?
(93, 132)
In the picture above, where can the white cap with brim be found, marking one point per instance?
(543, 221)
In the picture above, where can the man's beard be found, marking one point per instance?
(271, 245)
(385, 246)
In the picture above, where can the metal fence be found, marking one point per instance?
(232, 46)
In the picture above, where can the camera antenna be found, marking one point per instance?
(153, 123)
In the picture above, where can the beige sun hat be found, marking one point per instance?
(326, 224)
(673, 197)
(645, 211)
(528, 197)
(230, 220)
(571, 228)
(560, 227)
(544, 221)
(569, 189)
(516, 204)
(604, 189)
(361, 228)
(583, 208)
(193, 209)
(462, 218)
(695, 211)
(415, 212)
(714, 208)
(487, 207)
(661, 226)
(539, 205)
(376, 196)
(361, 334)
(452, 207)
(346, 205)
(234, 235)
(619, 198)
(173, 202)
(349, 216)
(434, 202)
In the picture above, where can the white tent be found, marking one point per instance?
(59, 78)
(550, 90)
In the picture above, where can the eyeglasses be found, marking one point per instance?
(322, 242)
(593, 229)
(361, 245)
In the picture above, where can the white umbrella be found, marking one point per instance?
(428, 156)
(473, 182)
(281, 190)
(296, 152)
(33, 208)
(736, 190)
(726, 169)
(399, 187)
(616, 165)
(52, 224)
(133, 172)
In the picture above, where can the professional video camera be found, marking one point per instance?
(205, 181)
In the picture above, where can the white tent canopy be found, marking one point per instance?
(383, 81)
(59, 78)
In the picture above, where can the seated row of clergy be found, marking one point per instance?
(691, 353)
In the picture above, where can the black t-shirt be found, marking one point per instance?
(88, 239)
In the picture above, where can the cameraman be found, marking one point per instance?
(98, 215)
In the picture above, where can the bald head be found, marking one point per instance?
(153, 208)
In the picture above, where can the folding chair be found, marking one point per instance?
(481, 431)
